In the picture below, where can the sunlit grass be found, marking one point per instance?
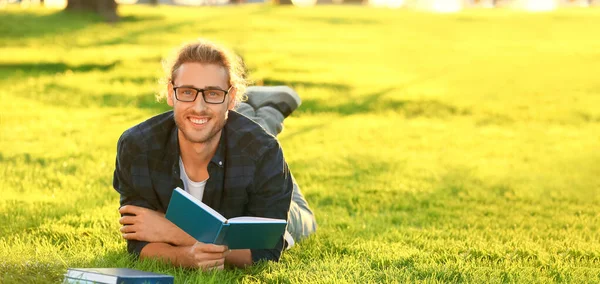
(438, 148)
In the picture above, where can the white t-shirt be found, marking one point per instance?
(195, 188)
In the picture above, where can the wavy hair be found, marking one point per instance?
(207, 52)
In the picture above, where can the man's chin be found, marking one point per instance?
(198, 137)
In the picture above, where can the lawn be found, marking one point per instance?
(435, 148)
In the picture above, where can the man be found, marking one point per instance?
(219, 156)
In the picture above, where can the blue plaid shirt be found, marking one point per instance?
(248, 174)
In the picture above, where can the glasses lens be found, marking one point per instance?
(186, 94)
(214, 96)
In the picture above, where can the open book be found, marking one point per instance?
(208, 226)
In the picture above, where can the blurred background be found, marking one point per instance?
(437, 141)
(427, 5)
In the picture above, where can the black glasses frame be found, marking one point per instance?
(203, 95)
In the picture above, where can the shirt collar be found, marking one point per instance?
(173, 150)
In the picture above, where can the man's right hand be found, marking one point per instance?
(208, 256)
(151, 226)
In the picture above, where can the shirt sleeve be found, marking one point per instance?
(123, 184)
(271, 196)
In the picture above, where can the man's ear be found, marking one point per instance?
(233, 94)
(170, 94)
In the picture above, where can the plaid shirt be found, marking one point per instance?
(248, 174)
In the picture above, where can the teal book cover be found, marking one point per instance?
(208, 226)
(115, 276)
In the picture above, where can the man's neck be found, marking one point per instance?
(196, 156)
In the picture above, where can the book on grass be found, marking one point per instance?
(115, 276)
(208, 226)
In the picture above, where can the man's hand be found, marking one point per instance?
(150, 226)
(208, 256)
(199, 255)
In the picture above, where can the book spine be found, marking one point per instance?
(221, 235)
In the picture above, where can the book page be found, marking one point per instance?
(248, 219)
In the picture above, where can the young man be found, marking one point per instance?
(220, 156)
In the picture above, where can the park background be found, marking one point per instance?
(459, 147)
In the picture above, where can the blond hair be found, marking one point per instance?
(206, 52)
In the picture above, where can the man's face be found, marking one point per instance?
(198, 121)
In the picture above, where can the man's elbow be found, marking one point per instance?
(135, 248)
(268, 255)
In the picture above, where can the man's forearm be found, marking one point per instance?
(180, 238)
(176, 255)
(143, 224)
(239, 258)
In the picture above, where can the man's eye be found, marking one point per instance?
(187, 92)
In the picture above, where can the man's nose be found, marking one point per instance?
(199, 103)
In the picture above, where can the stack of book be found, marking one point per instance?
(114, 276)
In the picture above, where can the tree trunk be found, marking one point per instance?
(106, 8)
(154, 2)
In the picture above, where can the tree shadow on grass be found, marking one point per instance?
(373, 102)
(8, 70)
(60, 95)
(366, 104)
(141, 18)
(133, 36)
(290, 133)
(304, 84)
(24, 25)
(144, 101)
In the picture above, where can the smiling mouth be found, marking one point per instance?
(198, 121)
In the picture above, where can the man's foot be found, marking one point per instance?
(282, 98)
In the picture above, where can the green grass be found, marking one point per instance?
(434, 148)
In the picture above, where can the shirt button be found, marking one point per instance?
(220, 163)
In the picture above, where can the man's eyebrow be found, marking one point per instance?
(213, 87)
(205, 87)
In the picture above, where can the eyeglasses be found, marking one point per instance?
(210, 95)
